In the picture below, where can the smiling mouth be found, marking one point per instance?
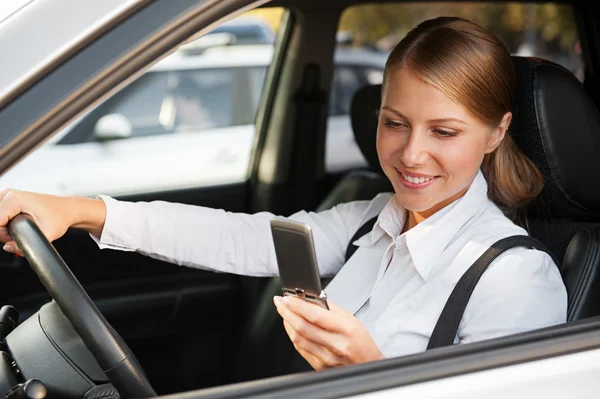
(414, 180)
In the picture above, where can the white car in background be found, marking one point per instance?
(122, 146)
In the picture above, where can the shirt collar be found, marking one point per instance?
(427, 240)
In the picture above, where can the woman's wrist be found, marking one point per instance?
(88, 214)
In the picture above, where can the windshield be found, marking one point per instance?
(9, 7)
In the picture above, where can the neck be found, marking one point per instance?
(415, 217)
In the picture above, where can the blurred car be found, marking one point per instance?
(247, 30)
(200, 103)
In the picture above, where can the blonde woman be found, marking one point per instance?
(442, 142)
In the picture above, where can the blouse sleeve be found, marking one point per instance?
(218, 240)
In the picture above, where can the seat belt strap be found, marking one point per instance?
(362, 230)
(447, 325)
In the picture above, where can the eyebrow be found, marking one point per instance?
(436, 120)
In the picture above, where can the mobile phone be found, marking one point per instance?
(297, 261)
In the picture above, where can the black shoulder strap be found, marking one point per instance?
(447, 325)
(362, 230)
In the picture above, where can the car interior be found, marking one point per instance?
(193, 329)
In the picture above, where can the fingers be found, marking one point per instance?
(318, 356)
(346, 343)
(4, 192)
(326, 319)
(12, 247)
(9, 208)
(4, 236)
(313, 361)
(302, 326)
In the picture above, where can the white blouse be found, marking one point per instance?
(399, 304)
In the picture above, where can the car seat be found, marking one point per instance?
(557, 125)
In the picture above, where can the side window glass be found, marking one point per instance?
(187, 122)
(368, 33)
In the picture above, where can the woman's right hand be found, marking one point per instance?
(52, 214)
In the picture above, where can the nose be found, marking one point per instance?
(414, 152)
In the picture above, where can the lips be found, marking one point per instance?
(416, 180)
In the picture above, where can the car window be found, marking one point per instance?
(544, 30)
(196, 106)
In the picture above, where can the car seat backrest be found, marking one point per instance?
(557, 125)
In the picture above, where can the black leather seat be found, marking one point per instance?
(556, 124)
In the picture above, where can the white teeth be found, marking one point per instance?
(417, 180)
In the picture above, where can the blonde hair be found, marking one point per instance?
(472, 67)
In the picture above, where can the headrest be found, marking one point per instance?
(363, 114)
(555, 123)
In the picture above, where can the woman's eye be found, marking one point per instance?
(395, 125)
(445, 133)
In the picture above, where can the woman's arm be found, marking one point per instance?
(184, 234)
(224, 241)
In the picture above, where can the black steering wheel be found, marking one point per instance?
(111, 352)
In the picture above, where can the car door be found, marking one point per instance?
(170, 316)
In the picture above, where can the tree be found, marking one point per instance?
(551, 24)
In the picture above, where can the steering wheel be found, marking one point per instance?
(111, 352)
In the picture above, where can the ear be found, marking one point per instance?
(498, 133)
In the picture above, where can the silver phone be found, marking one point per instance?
(297, 261)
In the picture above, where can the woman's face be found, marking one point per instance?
(429, 146)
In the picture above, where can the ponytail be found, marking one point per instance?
(513, 180)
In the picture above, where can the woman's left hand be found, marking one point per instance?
(326, 338)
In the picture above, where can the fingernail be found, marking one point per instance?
(277, 300)
(8, 248)
(287, 299)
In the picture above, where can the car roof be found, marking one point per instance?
(256, 55)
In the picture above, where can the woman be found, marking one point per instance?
(441, 140)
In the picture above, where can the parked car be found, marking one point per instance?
(198, 103)
(247, 30)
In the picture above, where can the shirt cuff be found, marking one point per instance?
(121, 227)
